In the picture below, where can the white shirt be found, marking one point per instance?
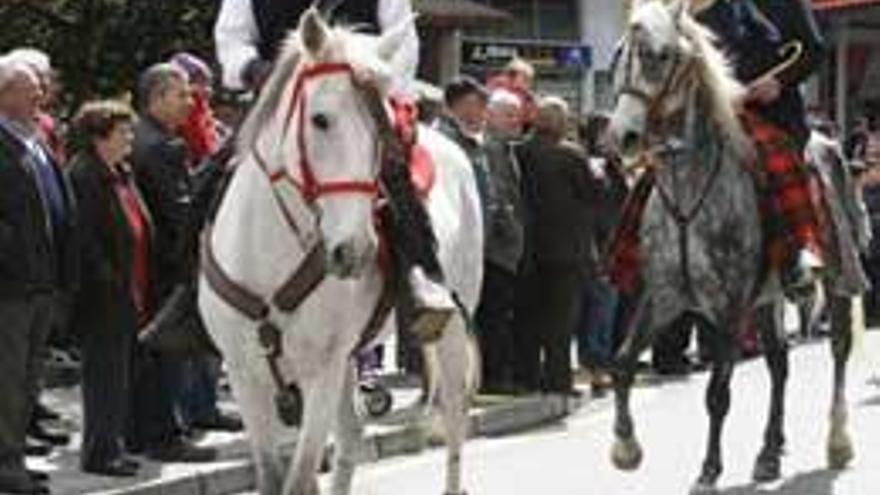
(236, 36)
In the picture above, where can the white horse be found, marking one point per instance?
(306, 174)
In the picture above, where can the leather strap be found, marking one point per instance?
(303, 282)
(233, 293)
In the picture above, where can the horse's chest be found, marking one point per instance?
(720, 241)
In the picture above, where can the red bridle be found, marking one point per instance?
(309, 185)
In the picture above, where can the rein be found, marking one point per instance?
(684, 217)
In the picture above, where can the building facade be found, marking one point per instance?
(570, 43)
(849, 86)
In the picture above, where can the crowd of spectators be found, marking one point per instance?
(98, 233)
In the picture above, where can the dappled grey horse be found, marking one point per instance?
(701, 231)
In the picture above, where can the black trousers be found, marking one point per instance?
(106, 382)
(158, 380)
(547, 313)
(494, 320)
(26, 322)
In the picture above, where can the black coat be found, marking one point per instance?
(561, 199)
(753, 42)
(276, 18)
(159, 163)
(104, 301)
(31, 258)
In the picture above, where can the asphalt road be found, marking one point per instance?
(572, 457)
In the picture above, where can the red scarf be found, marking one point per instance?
(200, 129)
(138, 222)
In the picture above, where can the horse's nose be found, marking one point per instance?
(343, 256)
(347, 259)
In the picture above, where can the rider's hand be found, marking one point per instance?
(255, 73)
(765, 90)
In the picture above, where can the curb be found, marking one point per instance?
(236, 476)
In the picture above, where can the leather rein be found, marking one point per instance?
(287, 190)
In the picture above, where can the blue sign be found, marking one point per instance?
(541, 54)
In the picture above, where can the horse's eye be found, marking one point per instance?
(321, 121)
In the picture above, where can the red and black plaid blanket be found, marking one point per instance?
(791, 221)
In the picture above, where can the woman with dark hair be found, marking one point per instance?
(115, 297)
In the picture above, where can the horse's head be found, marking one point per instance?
(329, 99)
(653, 64)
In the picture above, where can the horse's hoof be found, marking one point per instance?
(703, 488)
(626, 454)
(767, 468)
(840, 455)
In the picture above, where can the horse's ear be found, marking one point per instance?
(392, 39)
(313, 31)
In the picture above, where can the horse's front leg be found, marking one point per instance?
(455, 361)
(840, 448)
(626, 454)
(770, 324)
(724, 353)
(322, 394)
(349, 435)
(255, 394)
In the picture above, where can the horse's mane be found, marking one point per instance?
(716, 74)
(345, 44)
(270, 96)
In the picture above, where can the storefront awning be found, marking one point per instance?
(830, 5)
(458, 13)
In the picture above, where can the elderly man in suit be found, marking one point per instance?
(505, 239)
(37, 263)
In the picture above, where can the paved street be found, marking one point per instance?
(572, 458)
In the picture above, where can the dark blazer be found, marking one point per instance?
(753, 41)
(561, 197)
(276, 18)
(159, 163)
(31, 258)
(104, 301)
(505, 226)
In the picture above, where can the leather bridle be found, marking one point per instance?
(309, 184)
(655, 104)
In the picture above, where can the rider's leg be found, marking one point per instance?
(792, 216)
(414, 252)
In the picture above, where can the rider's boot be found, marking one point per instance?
(800, 274)
(433, 305)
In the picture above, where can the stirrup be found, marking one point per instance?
(801, 275)
(433, 306)
(428, 323)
